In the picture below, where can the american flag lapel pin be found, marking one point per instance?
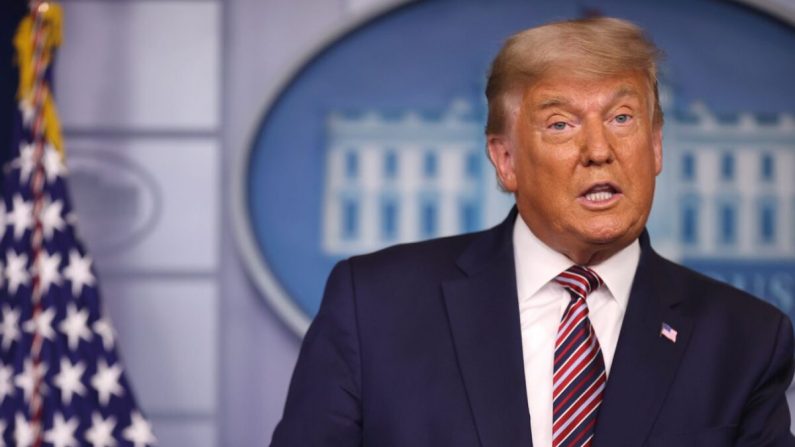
(668, 332)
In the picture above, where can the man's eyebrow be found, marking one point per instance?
(624, 91)
(553, 101)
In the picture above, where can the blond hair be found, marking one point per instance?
(596, 47)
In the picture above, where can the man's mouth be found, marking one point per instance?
(601, 192)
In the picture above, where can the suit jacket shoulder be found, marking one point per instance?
(434, 258)
(706, 297)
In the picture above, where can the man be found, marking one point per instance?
(561, 326)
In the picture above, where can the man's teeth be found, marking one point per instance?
(599, 196)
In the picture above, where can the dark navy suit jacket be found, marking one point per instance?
(419, 345)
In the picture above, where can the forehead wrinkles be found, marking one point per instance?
(580, 95)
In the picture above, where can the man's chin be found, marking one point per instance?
(610, 236)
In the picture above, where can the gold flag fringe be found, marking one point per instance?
(52, 16)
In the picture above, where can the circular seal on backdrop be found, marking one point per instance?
(120, 200)
(378, 139)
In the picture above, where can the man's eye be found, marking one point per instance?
(560, 125)
(623, 118)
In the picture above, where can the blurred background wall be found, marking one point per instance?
(160, 101)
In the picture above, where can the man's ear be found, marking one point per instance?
(501, 154)
(657, 138)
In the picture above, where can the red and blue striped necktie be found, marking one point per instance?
(579, 373)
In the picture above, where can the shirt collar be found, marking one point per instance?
(537, 264)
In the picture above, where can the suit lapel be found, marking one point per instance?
(645, 362)
(484, 319)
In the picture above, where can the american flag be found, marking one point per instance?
(668, 332)
(61, 380)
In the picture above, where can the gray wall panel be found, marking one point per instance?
(258, 354)
(168, 336)
(142, 65)
(147, 204)
(185, 433)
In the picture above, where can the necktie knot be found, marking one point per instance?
(579, 281)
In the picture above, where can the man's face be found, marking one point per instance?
(581, 156)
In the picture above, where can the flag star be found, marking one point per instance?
(23, 432)
(26, 108)
(53, 163)
(9, 328)
(41, 323)
(51, 219)
(16, 270)
(106, 381)
(100, 434)
(106, 332)
(69, 380)
(139, 432)
(48, 270)
(25, 162)
(62, 433)
(75, 327)
(6, 384)
(79, 272)
(20, 216)
(27, 378)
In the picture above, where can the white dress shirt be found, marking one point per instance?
(541, 305)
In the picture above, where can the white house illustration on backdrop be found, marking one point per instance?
(727, 190)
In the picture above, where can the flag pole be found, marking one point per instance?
(38, 10)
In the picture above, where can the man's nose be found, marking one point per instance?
(596, 148)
